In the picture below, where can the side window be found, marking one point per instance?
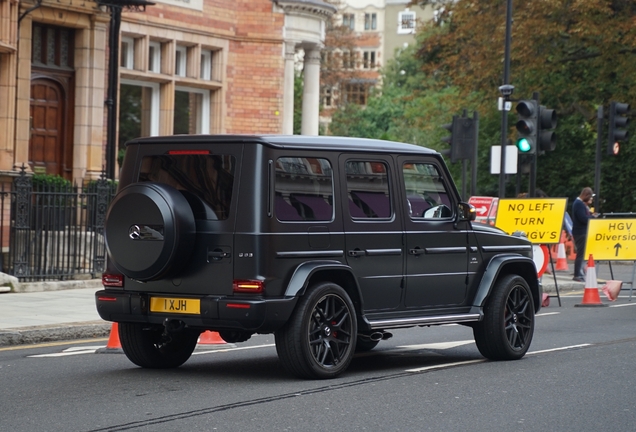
(425, 192)
(304, 189)
(368, 190)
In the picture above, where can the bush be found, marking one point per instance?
(50, 183)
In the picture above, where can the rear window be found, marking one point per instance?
(205, 180)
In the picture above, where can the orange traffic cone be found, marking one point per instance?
(113, 345)
(611, 289)
(562, 260)
(210, 338)
(590, 295)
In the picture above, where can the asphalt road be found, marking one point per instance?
(577, 376)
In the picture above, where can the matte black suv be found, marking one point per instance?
(326, 242)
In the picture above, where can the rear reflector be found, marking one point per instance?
(238, 306)
(107, 299)
(112, 280)
(188, 152)
(247, 286)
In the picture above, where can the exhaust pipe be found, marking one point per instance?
(380, 335)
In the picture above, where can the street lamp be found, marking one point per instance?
(115, 7)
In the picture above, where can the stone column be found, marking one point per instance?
(288, 90)
(311, 91)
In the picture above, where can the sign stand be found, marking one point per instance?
(556, 285)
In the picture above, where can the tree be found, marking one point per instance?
(578, 54)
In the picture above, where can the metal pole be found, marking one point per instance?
(532, 188)
(597, 163)
(113, 87)
(504, 113)
(473, 163)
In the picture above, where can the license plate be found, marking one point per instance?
(175, 305)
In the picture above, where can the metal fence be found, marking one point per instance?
(56, 231)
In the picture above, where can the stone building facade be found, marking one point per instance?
(185, 66)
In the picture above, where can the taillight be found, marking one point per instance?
(247, 286)
(112, 280)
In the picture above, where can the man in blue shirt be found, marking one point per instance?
(581, 214)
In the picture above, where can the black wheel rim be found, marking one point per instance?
(519, 318)
(330, 331)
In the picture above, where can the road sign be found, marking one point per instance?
(541, 257)
(611, 239)
(482, 205)
(540, 218)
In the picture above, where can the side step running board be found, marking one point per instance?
(423, 321)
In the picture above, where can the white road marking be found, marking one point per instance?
(445, 365)
(621, 305)
(70, 351)
(547, 313)
(438, 345)
(212, 351)
(558, 349)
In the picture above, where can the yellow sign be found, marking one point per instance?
(540, 218)
(611, 239)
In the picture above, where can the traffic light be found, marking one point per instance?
(617, 122)
(452, 139)
(527, 126)
(547, 137)
(462, 138)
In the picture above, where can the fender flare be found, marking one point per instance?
(498, 265)
(299, 280)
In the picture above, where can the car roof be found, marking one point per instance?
(301, 142)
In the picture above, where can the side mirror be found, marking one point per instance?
(466, 212)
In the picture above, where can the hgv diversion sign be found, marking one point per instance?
(611, 239)
(540, 218)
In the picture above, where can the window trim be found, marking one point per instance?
(180, 59)
(127, 61)
(400, 27)
(155, 102)
(204, 121)
(154, 62)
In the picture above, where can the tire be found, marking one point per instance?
(145, 346)
(319, 340)
(150, 231)
(506, 331)
(364, 344)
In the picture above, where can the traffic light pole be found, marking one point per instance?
(504, 113)
(597, 163)
(532, 187)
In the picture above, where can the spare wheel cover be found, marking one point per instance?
(150, 231)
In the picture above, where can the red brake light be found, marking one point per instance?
(112, 280)
(247, 286)
(188, 152)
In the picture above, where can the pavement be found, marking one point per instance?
(61, 311)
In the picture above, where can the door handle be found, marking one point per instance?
(357, 253)
(416, 251)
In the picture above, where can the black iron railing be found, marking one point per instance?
(54, 231)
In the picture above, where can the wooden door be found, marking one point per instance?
(46, 149)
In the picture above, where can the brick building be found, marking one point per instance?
(184, 66)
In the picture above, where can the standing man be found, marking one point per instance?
(581, 214)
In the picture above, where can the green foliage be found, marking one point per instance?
(578, 54)
(50, 183)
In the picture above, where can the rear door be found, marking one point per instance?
(436, 247)
(207, 175)
(373, 229)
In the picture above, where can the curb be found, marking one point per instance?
(53, 333)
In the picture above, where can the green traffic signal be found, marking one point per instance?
(524, 145)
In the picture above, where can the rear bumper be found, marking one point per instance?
(217, 313)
